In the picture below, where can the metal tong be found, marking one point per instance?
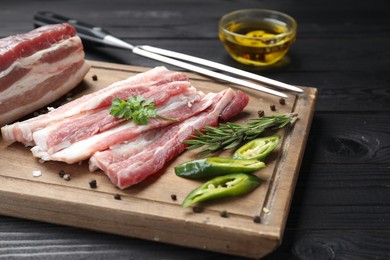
(101, 37)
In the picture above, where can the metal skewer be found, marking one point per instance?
(140, 51)
(220, 66)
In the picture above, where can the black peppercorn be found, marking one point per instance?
(94, 78)
(93, 184)
(117, 196)
(272, 107)
(260, 113)
(282, 101)
(257, 219)
(173, 197)
(61, 173)
(224, 214)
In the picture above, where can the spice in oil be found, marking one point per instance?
(257, 42)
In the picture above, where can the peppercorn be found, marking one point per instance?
(93, 184)
(61, 173)
(224, 214)
(272, 107)
(94, 78)
(260, 113)
(173, 197)
(282, 101)
(117, 196)
(257, 219)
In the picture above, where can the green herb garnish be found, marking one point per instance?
(229, 135)
(136, 108)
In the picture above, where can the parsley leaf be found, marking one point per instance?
(136, 108)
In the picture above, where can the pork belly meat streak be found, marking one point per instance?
(126, 164)
(38, 67)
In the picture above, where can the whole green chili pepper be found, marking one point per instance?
(216, 166)
(258, 148)
(223, 186)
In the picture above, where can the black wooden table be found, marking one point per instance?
(341, 206)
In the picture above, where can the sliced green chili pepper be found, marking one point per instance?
(258, 148)
(216, 166)
(223, 186)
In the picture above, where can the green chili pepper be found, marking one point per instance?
(216, 166)
(258, 148)
(223, 186)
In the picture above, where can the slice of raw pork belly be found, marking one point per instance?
(87, 104)
(38, 67)
(61, 135)
(81, 139)
(126, 164)
(178, 107)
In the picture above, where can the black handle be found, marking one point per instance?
(86, 31)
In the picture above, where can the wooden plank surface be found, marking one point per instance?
(340, 208)
(146, 210)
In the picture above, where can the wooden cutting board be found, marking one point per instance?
(147, 210)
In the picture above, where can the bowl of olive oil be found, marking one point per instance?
(257, 37)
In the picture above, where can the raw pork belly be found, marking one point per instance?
(126, 164)
(125, 151)
(88, 104)
(60, 135)
(38, 67)
(176, 107)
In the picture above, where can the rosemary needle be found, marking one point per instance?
(229, 135)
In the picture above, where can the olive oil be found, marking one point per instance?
(256, 42)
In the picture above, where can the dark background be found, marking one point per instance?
(341, 206)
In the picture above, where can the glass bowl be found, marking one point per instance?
(257, 37)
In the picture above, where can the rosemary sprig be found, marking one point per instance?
(229, 135)
(136, 108)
